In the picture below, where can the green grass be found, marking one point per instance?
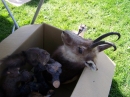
(100, 16)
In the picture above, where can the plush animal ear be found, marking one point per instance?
(66, 38)
(104, 47)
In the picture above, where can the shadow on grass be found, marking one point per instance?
(35, 3)
(5, 27)
(115, 92)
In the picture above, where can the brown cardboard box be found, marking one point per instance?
(90, 83)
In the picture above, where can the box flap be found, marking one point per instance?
(22, 39)
(14, 41)
(96, 83)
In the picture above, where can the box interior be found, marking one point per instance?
(42, 36)
(90, 84)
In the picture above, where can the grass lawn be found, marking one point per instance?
(100, 16)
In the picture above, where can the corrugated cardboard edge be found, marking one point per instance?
(96, 83)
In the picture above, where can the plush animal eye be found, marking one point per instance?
(80, 50)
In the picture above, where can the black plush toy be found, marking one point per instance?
(40, 60)
(12, 79)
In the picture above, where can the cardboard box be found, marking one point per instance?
(90, 83)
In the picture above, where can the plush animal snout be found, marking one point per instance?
(90, 64)
(56, 84)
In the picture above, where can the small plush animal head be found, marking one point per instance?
(36, 56)
(84, 51)
(13, 71)
(54, 68)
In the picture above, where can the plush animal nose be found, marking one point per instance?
(56, 84)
